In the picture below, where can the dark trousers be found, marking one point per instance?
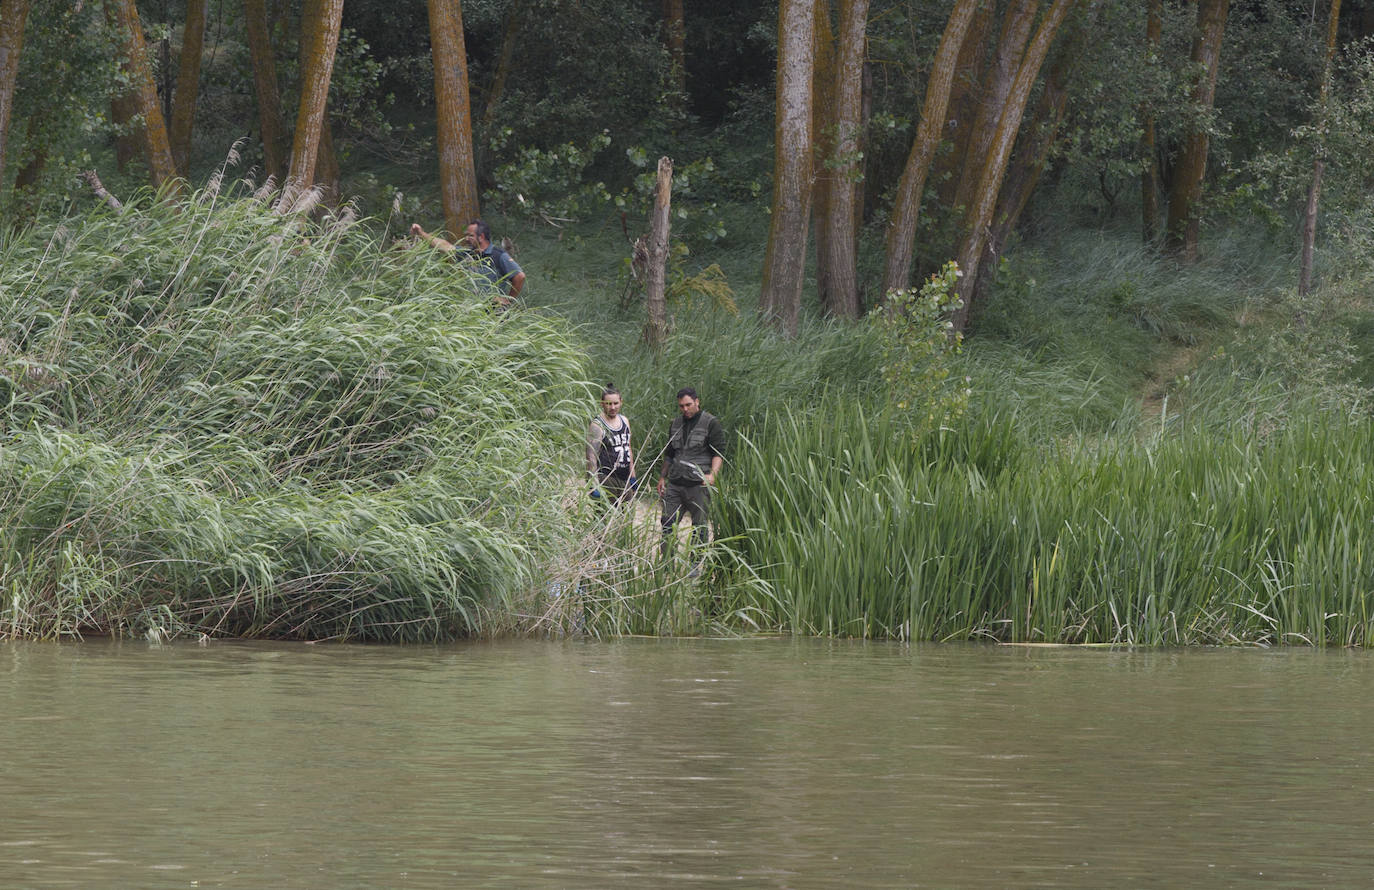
(695, 501)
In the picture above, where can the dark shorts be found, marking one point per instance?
(615, 483)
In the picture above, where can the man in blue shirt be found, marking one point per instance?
(495, 264)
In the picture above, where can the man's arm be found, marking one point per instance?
(510, 271)
(434, 240)
(594, 435)
(667, 462)
(715, 440)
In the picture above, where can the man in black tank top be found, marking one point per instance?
(610, 458)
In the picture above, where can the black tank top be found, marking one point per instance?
(615, 446)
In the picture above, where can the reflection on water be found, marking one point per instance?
(758, 763)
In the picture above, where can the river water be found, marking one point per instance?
(773, 763)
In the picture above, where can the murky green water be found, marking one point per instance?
(761, 763)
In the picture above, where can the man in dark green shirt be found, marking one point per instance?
(691, 463)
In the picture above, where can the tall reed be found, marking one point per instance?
(1199, 537)
(223, 420)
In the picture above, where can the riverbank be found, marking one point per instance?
(220, 421)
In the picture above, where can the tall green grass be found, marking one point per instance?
(1194, 538)
(222, 420)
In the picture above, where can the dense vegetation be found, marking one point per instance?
(222, 423)
(222, 417)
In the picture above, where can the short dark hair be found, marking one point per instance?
(483, 229)
(686, 391)
(609, 390)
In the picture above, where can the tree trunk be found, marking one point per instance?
(457, 175)
(13, 14)
(1149, 151)
(906, 206)
(1309, 222)
(1181, 236)
(784, 266)
(824, 128)
(1030, 157)
(188, 85)
(660, 224)
(265, 85)
(325, 180)
(985, 198)
(837, 186)
(675, 36)
(29, 173)
(320, 22)
(963, 102)
(327, 174)
(509, 38)
(1011, 46)
(143, 93)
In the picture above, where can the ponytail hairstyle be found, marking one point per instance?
(609, 390)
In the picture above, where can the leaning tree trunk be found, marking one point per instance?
(1031, 155)
(188, 85)
(143, 92)
(1011, 46)
(785, 263)
(265, 86)
(660, 224)
(1181, 235)
(510, 36)
(901, 231)
(963, 104)
(457, 175)
(13, 14)
(1149, 150)
(1309, 222)
(984, 203)
(837, 186)
(320, 22)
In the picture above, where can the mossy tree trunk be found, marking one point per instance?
(319, 40)
(980, 215)
(143, 93)
(839, 120)
(963, 102)
(1185, 191)
(273, 128)
(1309, 222)
(188, 85)
(1032, 153)
(1011, 47)
(457, 175)
(784, 266)
(901, 231)
(1149, 149)
(13, 15)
